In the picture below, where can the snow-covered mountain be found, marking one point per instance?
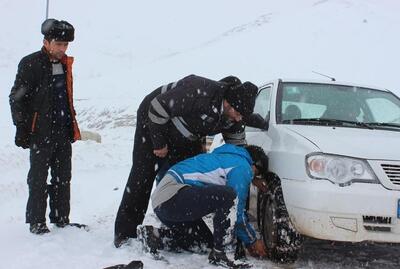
(125, 49)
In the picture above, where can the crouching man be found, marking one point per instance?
(218, 183)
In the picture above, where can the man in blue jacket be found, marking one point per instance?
(218, 183)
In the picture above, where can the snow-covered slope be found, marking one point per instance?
(124, 49)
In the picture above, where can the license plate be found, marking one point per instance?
(398, 209)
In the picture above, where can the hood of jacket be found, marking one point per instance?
(232, 149)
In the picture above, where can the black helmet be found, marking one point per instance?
(58, 30)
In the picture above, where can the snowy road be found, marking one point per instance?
(317, 254)
(325, 254)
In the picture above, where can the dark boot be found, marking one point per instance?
(131, 265)
(134, 265)
(150, 238)
(77, 225)
(219, 258)
(119, 241)
(38, 228)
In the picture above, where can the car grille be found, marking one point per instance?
(392, 172)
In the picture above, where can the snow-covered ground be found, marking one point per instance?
(125, 49)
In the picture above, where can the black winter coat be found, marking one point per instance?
(193, 105)
(31, 97)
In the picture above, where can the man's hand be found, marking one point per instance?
(257, 121)
(261, 184)
(257, 249)
(22, 137)
(161, 152)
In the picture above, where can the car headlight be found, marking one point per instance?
(338, 169)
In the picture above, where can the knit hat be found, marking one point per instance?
(58, 30)
(231, 80)
(242, 97)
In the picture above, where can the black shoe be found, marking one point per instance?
(134, 265)
(120, 240)
(150, 238)
(219, 258)
(77, 225)
(38, 228)
(131, 265)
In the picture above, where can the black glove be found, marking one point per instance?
(257, 121)
(22, 137)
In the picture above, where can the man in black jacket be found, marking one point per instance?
(43, 112)
(170, 124)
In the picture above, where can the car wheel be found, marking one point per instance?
(282, 240)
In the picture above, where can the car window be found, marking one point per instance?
(297, 101)
(298, 110)
(262, 105)
(384, 110)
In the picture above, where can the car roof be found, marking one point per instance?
(326, 82)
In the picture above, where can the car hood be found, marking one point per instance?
(356, 142)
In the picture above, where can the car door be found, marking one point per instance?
(263, 105)
(260, 138)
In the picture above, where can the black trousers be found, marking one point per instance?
(55, 155)
(145, 166)
(183, 215)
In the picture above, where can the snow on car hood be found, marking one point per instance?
(356, 142)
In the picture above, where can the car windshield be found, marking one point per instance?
(337, 105)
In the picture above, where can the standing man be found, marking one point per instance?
(170, 123)
(43, 112)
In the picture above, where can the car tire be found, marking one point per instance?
(282, 240)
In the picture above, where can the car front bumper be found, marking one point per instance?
(359, 212)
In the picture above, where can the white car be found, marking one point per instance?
(334, 164)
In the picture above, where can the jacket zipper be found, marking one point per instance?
(34, 121)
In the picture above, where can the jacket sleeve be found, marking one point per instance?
(235, 134)
(255, 120)
(175, 100)
(20, 94)
(240, 179)
(160, 113)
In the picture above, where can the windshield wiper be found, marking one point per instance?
(330, 122)
(384, 124)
